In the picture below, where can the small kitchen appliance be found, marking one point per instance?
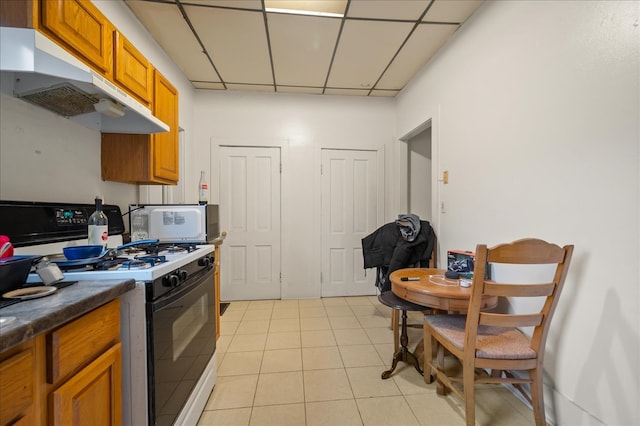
(193, 223)
(168, 322)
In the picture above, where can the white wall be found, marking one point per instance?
(536, 109)
(44, 157)
(301, 125)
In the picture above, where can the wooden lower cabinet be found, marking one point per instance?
(69, 376)
(93, 396)
(19, 385)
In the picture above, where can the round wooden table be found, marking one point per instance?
(432, 289)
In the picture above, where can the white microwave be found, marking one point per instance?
(174, 223)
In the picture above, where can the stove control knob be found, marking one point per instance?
(171, 280)
(183, 275)
(204, 261)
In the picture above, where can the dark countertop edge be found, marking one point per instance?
(52, 317)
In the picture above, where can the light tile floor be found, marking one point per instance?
(318, 362)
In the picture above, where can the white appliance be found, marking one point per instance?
(174, 222)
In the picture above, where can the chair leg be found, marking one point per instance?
(440, 389)
(468, 383)
(537, 396)
(427, 342)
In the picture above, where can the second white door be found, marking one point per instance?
(250, 211)
(350, 211)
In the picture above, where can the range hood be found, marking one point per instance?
(37, 70)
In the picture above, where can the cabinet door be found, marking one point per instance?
(16, 386)
(165, 145)
(80, 26)
(93, 396)
(132, 70)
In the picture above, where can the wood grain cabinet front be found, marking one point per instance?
(131, 70)
(17, 386)
(81, 28)
(84, 369)
(93, 395)
(146, 159)
(71, 375)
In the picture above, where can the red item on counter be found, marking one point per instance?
(6, 249)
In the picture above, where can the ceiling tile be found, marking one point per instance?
(372, 47)
(387, 9)
(423, 43)
(237, 4)
(250, 87)
(348, 92)
(309, 90)
(302, 47)
(384, 93)
(452, 11)
(317, 6)
(179, 43)
(207, 85)
(236, 42)
(365, 48)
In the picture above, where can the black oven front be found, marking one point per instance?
(181, 339)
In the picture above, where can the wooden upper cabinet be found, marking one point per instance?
(81, 27)
(146, 159)
(165, 145)
(132, 70)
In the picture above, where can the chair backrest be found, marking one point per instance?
(522, 252)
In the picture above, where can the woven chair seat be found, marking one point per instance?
(492, 342)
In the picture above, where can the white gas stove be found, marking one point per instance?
(143, 271)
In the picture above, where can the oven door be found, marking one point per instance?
(181, 333)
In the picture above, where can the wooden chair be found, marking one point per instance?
(494, 341)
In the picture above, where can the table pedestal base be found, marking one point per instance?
(403, 353)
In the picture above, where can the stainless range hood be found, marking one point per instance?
(39, 71)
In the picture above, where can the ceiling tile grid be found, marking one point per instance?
(374, 49)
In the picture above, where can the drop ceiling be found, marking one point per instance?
(373, 50)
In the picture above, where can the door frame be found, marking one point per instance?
(402, 163)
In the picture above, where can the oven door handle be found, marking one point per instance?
(181, 291)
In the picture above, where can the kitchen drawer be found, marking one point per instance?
(16, 385)
(75, 345)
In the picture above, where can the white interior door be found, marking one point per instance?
(250, 211)
(349, 213)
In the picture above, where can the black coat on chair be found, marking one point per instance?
(386, 250)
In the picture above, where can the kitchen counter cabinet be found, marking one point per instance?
(84, 369)
(19, 382)
(60, 360)
(146, 159)
(39, 316)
